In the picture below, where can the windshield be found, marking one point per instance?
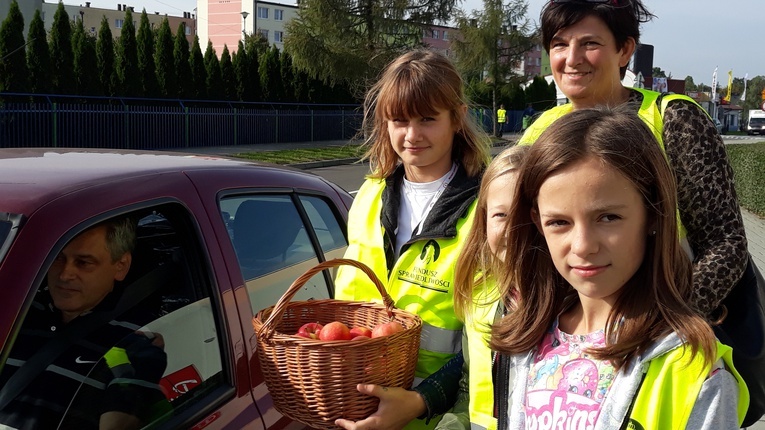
(757, 121)
(9, 225)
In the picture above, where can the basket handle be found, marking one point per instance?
(269, 326)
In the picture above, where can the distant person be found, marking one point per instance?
(114, 371)
(600, 331)
(427, 156)
(501, 120)
(528, 116)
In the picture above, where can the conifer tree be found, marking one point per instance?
(62, 58)
(14, 74)
(270, 79)
(163, 59)
(212, 67)
(181, 63)
(127, 59)
(287, 77)
(85, 63)
(228, 78)
(107, 75)
(241, 64)
(145, 54)
(198, 71)
(255, 46)
(38, 56)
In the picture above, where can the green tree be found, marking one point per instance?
(38, 56)
(288, 77)
(107, 75)
(689, 85)
(228, 77)
(127, 59)
(62, 64)
(241, 63)
(269, 69)
(198, 71)
(85, 62)
(540, 94)
(181, 63)
(145, 52)
(214, 82)
(340, 40)
(754, 88)
(14, 73)
(255, 46)
(656, 72)
(492, 42)
(164, 61)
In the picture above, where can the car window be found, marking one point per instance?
(274, 245)
(8, 226)
(152, 350)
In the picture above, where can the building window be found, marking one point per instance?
(446, 35)
(262, 12)
(278, 15)
(436, 34)
(278, 36)
(263, 33)
(188, 29)
(118, 23)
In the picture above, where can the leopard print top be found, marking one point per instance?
(707, 200)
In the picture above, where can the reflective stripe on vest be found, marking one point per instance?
(672, 385)
(649, 112)
(478, 330)
(421, 281)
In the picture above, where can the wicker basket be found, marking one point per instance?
(314, 381)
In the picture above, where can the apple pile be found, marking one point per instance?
(339, 331)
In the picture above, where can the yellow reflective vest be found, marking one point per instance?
(649, 112)
(672, 385)
(501, 115)
(479, 355)
(420, 281)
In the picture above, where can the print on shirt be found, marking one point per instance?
(565, 385)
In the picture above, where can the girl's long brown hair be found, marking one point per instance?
(415, 85)
(654, 302)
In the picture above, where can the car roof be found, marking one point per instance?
(30, 177)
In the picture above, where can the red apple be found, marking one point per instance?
(386, 329)
(310, 330)
(335, 331)
(361, 338)
(361, 331)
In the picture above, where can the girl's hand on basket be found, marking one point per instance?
(397, 408)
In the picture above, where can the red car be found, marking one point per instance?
(234, 233)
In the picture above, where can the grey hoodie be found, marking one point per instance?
(715, 408)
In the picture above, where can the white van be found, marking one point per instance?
(756, 124)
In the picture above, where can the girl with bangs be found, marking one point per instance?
(601, 332)
(410, 218)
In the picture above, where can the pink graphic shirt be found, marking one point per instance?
(566, 385)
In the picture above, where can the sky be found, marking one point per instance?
(690, 37)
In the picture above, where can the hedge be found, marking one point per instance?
(748, 162)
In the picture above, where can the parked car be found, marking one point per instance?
(718, 125)
(233, 234)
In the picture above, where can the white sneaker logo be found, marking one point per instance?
(79, 360)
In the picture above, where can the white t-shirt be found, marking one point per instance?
(417, 199)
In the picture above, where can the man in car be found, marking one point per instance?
(106, 375)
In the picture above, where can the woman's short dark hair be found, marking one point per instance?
(623, 20)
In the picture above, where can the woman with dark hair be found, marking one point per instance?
(590, 45)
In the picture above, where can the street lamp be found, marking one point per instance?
(245, 14)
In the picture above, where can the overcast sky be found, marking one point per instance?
(690, 37)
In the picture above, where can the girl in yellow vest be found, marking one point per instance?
(411, 216)
(600, 330)
(476, 299)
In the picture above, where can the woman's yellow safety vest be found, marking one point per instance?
(649, 112)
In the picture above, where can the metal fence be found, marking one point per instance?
(29, 120)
